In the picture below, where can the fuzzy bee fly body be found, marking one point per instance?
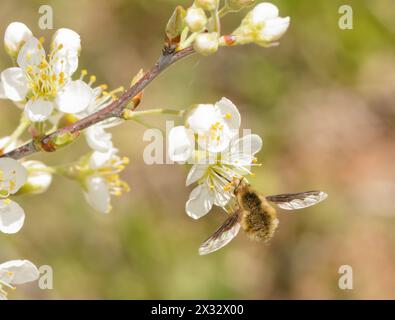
(256, 216)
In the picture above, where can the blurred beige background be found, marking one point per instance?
(324, 101)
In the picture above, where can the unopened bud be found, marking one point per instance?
(196, 19)
(176, 24)
(206, 43)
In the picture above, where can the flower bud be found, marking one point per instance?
(196, 19)
(206, 43)
(262, 25)
(239, 4)
(272, 31)
(15, 37)
(263, 12)
(207, 4)
(39, 179)
(176, 24)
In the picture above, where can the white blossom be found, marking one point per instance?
(215, 180)
(97, 137)
(214, 125)
(262, 25)
(16, 272)
(12, 177)
(103, 180)
(44, 84)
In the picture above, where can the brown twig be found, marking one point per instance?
(65, 135)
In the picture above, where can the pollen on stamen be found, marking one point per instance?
(92, 79)
(84, 72)
(228, 116)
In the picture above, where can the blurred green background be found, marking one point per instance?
(324, 103)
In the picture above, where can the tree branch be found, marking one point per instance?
(53, 141)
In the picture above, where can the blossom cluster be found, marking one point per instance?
(52, 97)
(200, 25)
(209, 140)
(43, 87)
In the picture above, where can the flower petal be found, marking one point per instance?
(75, 97)
(31, 54)
(12, 175)
(197, 172)
(15, 36)
(250, 144)
(263, 12)
(200, 202)
(10, 147)
(99, 159)
(2, 92)
(39, 180)
(274, 29)
(38, 110)
(180, 144)
(12, 216)
(98, 194)
(14, 84)
(230, 113)
(68, 39)
(98, 139)
(202, 117)
(19, 271)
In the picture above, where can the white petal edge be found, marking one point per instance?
(274, 29)
(200, 202)
(195, 173)
(15, 36)
(180, 144)
(98, 195)
(98, 139)
(75, 97)
(14, 84)
(263, 12)
(39, 180)
(250, 144)
(12, 216)
(31, 54)
(19, 271)
(230, 113)
(38, 110)
(12, 170)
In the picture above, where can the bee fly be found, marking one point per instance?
(256, 216)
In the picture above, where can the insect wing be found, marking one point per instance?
(222, 236)
(294, 201)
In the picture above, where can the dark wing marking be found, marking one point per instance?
(222, 236)
(293, 201)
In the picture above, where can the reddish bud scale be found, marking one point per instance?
(230, 40)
